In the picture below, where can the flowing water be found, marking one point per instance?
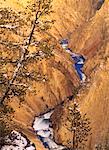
(42, 124)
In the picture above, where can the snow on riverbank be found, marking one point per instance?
(42, 124)
(44, 131)
(17, 141)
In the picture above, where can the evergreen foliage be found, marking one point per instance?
(18, 34)
(79, 125)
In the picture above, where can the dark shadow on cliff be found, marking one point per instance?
(99, 4)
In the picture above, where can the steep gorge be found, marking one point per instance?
(87, 30)
(93, 98)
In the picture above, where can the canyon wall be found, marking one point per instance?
(93, 99)
(87, 31)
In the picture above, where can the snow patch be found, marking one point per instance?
(44, 131)
(17, 142)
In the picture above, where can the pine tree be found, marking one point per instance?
(18, 35)
(23, 27)
(79, 126)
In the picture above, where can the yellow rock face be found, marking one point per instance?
(88, 34)
(93, 98)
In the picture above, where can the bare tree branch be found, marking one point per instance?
(16, 84)
(7, 43)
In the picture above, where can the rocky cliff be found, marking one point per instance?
(93, 99)
(87, 29)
